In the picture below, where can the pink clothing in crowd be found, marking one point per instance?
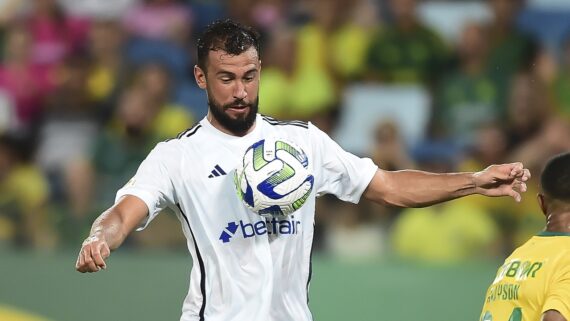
(27, 86)
(156, 22)
(53, 39)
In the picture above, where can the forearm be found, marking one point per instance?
(109, 226)
(116, 223)
(411, 188)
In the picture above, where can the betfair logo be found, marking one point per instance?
(274, 226)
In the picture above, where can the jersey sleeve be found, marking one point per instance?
(152, 183)
(558, 296)
(337, 171)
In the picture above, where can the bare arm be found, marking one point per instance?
(109, 231)
(411, 188)
(552, 315)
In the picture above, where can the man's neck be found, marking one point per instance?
(558, 221)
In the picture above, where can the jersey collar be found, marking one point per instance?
(210, 128)
(548, 233)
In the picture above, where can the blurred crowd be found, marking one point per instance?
(88, 87)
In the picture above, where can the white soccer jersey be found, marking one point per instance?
(245, 268)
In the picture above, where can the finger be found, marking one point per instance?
(80, 265)
(91, 266)
(516, 169)
(514, 194)
(519, 186)
(84, 260)
(526, 175)
(105, 253)
(77, 262)
(97, 258)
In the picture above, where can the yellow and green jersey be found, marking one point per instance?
(533, 280)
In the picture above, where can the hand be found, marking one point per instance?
(91, 258)
(502, 180)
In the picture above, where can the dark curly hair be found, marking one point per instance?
(227, 35)
(555, 178)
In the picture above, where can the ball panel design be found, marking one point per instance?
(273, 178)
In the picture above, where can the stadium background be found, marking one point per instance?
(87, 87)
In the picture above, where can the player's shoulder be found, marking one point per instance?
(270, 121)
(187, 134)
(296, 129)
(173, 145)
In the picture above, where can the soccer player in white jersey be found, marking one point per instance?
(247, 268)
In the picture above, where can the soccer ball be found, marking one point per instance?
(273, 178)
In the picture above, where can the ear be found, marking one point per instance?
(200, 77)
(542, 203)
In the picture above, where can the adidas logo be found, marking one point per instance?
(217, 171)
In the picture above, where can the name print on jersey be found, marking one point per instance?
(246, 230)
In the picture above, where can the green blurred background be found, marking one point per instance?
(147, 285)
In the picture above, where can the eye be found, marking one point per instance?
(226, 80)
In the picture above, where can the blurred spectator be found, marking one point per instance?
(562, 82)
(54, 34)
(468, 97)
(389, 150)
(263, 15)
(240, 10)
(97, 9)
(407, 52)
(338, 38)
(452, 232)
(278, 74)
(314, 85)
(171, 118)
(391, 153)
(267, 14)
(314, 63)
(107, 71)
(353, 232)
(10, 9)
(69, 125)
(8, 119)
(491, 147)
(511, 50)
(116, 154)
(552, 138)
(528, 109)
(24, 194)
(160, 19)
(26, 82)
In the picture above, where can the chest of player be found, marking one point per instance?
(207, 190)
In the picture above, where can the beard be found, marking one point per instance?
(237, 126)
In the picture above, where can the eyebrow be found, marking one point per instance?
(231, 74)
(225, 73)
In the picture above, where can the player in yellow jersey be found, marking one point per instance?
(534, 282)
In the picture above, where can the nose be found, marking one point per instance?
(239, 91)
